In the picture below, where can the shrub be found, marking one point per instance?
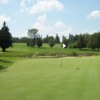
(74, 54)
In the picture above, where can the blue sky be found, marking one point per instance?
(50, 16)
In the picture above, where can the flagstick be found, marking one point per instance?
(62, 53)
(61, 64)
(61, 58)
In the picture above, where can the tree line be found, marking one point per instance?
(35, 39)
(80, 41)
(85, 40)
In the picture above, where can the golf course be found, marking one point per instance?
(49, 49)
(47, 78)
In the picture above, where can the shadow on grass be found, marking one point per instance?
(5, 61)
(2, 68)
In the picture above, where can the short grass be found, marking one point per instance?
(6, 62)
(45, 79)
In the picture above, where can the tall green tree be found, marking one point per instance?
(57, 39)
(81, 42)
(39, 42)
(46, 39)
(65, 41)
(32, 33)
(31, 42)
(94, 41)
(71, 38)
(5, 37)
(86, 37)
(98, 40)
(51, 41)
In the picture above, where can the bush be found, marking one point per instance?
(51, 42)
(74, 54)
(39, 42)
(31, 42)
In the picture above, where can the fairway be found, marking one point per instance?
(44, 79)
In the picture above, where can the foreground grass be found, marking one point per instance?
(45, 79)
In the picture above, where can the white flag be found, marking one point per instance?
(64, 45)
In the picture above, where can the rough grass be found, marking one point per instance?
(45, 79)
(21, 50)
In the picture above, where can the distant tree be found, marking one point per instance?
(72, 45)
(94, 41)
(5, 37)
(32, 33)
(65, 41)
(72, 41)
(57, 39)
(71, 38)
(15, 40)
(51, 41)
(20, 40)
(31, 42)
(24, 39)
(80, 42)
(76, 38)
(98, 40)
(86, 37)
(39, 42)
(46, 39)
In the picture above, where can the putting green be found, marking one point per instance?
(45, 79)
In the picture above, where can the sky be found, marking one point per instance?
(50, 17)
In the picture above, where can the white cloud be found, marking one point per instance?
(57, 28)
(4, 1)
(60, 25)
(38, 6)
(40, 24)
(89, 31)
(4, 18)
(63, 29)
(21, 34)
(94, 14)
(7, 19)
(42, 18)
(23, 5)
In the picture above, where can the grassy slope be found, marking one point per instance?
(43, 79)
